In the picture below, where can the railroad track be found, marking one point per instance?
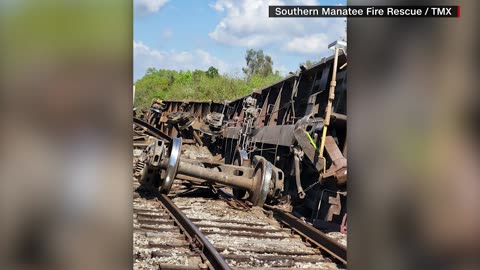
(213, 233)
(164, 238)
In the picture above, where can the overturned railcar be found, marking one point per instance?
(291, 125)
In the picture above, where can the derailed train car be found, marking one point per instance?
(298, 124)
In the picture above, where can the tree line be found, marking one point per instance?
(205, 85)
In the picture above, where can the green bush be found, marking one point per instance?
(197, 85)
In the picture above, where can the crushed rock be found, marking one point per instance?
(191, 151)
(339, 237)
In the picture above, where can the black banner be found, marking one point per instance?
(364, 11)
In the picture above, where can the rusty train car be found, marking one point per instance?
(284, 123)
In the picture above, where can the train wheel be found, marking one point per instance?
(238, 161)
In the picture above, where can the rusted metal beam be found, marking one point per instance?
(308, 148)
(151, 130)
(338, 169)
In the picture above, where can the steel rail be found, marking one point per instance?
(152, 130)
(311, 234)
(210, 253)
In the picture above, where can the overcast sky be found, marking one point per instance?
(182, 34)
